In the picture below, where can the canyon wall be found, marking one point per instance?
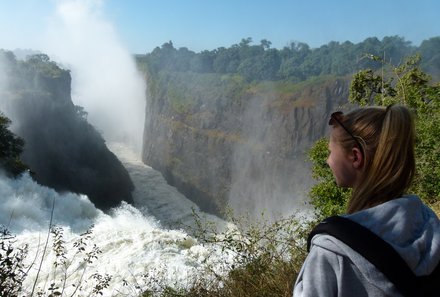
(227, 143)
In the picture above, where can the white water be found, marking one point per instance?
(153, 196)
(136, 247)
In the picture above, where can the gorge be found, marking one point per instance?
(218, 138)
(225, 142)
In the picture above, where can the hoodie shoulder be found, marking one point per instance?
(410, 227)
(355, 276)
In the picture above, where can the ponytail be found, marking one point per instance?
(388, 143)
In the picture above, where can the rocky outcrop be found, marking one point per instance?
(62, 149)
(223, 142)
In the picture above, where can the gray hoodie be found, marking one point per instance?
(334, 269)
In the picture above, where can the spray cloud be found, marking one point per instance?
(105, 80)
(262, 181)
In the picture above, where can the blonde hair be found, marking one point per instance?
(387, 139)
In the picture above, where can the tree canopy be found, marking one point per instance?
(295, 62)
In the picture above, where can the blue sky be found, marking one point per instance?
(142, 25)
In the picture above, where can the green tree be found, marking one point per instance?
(394, 48)
(296, 62)
(162, 58)
(265, 44)
(327, 198)
(226, 60)
(183, 59)
(203, 62)
(430, 52)
(261, 67)
(11, 148)
(407, 84)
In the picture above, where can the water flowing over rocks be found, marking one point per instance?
(137, 247)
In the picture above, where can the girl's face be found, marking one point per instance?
(340, 162)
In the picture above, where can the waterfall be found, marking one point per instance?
(137, 244)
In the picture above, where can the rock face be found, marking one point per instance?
(62, 149)
(223, 142)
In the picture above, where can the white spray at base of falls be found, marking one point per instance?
(153, 196)
(135, 245)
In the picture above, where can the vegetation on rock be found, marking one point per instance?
(11, 147)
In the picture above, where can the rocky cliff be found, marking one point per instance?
(62, 149)
(222, 141)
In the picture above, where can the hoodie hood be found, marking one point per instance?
(410, 227)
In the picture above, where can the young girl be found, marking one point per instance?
(372, 152)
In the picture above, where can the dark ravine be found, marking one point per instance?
(63, 150)
(212, 136)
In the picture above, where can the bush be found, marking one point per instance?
(12, 269)
(11, 147)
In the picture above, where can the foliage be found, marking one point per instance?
(11, 147)
(43, 65)
(405, 84)
(266, 258)
(327, 198)
(179, 102)
(431, 57)
(12, 269)
(69, 260)
(296, 62)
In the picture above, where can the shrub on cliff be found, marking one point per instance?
(11, 147)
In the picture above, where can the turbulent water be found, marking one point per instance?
(153, 196)
(134, 245)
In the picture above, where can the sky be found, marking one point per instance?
(142, 25)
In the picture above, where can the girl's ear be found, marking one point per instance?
(358, 158)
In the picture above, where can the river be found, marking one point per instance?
(142, 246)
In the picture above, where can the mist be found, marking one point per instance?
(262, 183)
(105, 80)
(27, 206)
(60, 147)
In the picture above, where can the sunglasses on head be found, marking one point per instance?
(337, 117)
